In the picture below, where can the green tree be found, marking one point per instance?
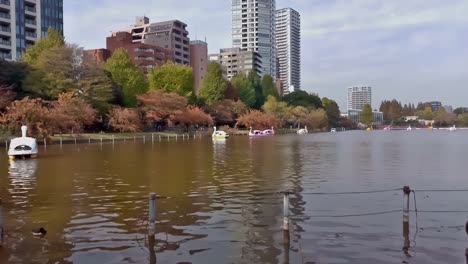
(245, 89)
(128, 75)
(425, 114)
(12, 74)
(214, 86)
(268, 86)
(256, 82)
(333, 112)
(54, 39)
(173, 78)
(366, 115)
(463, 119)
(303, 98)
(278, 109)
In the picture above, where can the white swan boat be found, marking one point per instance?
(454, 128)
(23, 147)
(303, 131)
(266, 132)
(219, 134)
(409, 128)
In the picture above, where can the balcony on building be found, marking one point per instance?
(31, 35)
(5, 43)
(30, 23)
(4, 16)
(5, 55)
(30, 10)
(5, 30)
(5, 4)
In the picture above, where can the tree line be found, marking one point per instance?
(394, 113)
(56, 87)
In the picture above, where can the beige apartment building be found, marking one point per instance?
(236, 60)
(198, 62)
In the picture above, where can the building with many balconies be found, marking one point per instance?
(22, 22)
(236, 60)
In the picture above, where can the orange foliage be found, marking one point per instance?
(124, 120)
(159, 105)
(258, 120)
(71, 113)
(30, 112)
(193, 115)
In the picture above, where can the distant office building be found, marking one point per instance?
(288, 45)
(198, 62)
(145, 56)
(435, 105)
(171, 35)
(22, 22)
(253, 29)
(358, 97)
(236, 60)
(355, 116)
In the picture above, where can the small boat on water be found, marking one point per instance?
(23, 147)
(219, 134)
(454, 128)
(409, 128)
(256, 133)
(303, 131)
(333, 130)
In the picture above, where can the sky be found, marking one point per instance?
(410, 50)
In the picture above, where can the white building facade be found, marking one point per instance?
(253, 29)
(358, 97)
(288, 45)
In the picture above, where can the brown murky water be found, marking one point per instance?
(219, 201)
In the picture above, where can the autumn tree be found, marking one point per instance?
(159, 106)
(124, 119)
(71, 114)
(258, 120)
(128, 75)
(303, 98)
(214, 86)
(278, 109)
(245, 88)
(171, 77)
(231, 92)
(30, 112)
(367, 116)
(226, 112)
(192, 115)
(316, 119)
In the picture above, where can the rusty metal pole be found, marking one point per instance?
(406, 244)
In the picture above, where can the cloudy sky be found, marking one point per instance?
(411, 50)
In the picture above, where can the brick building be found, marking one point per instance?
(145, 56)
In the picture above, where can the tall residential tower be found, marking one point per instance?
(253, 29)
(288, 45)
(358, 97)
(22, 22)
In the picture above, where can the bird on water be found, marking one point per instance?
(39, 232)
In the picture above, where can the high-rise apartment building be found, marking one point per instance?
(198, 62)
(236, 60)
(288, 45)
(22, 22)
(358, 97)
(253, 29)
(171, 35)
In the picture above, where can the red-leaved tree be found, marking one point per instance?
(192, 115)
(71, 113)
(226, 111)
(159, 106)
(30, 112)
(257, 120)
(124, 120)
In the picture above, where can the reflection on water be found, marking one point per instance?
(220, 203)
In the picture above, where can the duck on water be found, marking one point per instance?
(23, 147)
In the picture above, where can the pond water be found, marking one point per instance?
(219, 202)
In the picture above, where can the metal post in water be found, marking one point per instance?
(101, 141)
(144, 139)
(113, 139)
(286, 211)
(45, 143)
(75, 140)
(152, 214)
(89, 140)
(152, 137)
(406, 193)
(159, 137)
(176, 137)
(60, 142)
